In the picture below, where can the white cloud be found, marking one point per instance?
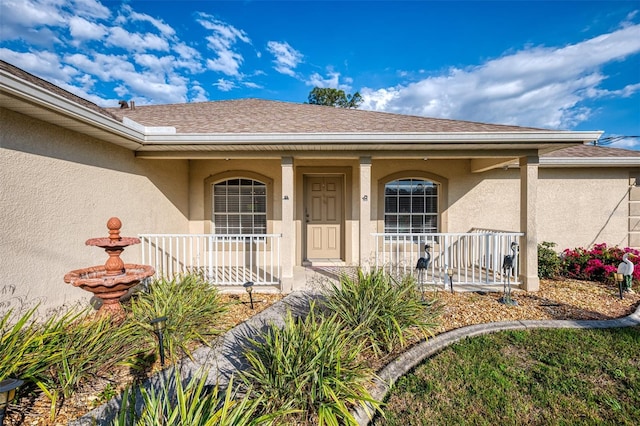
(224, 85)
(81, 29)
(90, 8)
(332, 80)
(286, 57)
(166, 30)
(222, 41)
(134, 42)
(227, 62)
(538, 87)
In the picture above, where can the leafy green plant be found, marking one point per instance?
(548, 260)
(192, 308)
(310, 365)
(380, 310)
(28, 348)
(89, 346)
(105, 395)
(193, 404)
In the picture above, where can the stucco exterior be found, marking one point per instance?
(67, 165)
(59, 188)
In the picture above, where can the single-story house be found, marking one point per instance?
(264, 191)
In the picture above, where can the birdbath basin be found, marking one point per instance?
(112, 280)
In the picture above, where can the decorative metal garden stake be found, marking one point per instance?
(7, 393)
(423, 266)
(508, 265)
(249, 287)
(158, 327)
(620, 280)
(450, 275)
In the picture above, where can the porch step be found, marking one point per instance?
(323, 262)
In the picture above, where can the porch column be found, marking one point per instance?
(365, 213)
(528, 222)
(287, 249)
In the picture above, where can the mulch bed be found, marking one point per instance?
(563, 299)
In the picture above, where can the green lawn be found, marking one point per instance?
(538, 377)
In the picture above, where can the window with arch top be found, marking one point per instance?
(239, 207)
(410, 206)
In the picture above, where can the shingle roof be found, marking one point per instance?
(22, 74)
(590, 151)
(264, 116)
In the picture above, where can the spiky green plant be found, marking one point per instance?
(90, 346)
(192, 307)
(310, 365)
(381, 310)
(192, 404)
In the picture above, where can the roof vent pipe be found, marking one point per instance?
(133, 104)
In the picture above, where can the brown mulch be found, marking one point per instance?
(565, 299)
(559, 300)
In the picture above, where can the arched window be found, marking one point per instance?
(239, 207)
(411, 206)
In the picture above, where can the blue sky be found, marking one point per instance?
(571, 65)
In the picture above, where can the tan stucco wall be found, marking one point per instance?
(58, 189)
(480, 200)
(576, 206)
(582, 207)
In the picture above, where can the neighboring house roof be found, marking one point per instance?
(591, 156)
(592, 151)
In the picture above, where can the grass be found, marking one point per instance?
(537, 377)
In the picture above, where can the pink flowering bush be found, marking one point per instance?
(597, 263)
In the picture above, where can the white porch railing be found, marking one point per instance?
(475, 257)
(220, 259)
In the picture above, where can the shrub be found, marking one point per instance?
(61, 353)
(596, 264)
(380, 310)
(548, 260)
(312, 366)
(192, 308)
(193, 404)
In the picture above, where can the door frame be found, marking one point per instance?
(343, 214)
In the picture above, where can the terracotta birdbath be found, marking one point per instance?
(109, 282)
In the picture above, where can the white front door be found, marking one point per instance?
(324, 216)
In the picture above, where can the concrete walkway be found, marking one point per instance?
(220, 360)
(224, 357)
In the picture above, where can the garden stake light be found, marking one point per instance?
(619, 279)
(450, 275)
(7, 393)
(158, 327)
(249, 287)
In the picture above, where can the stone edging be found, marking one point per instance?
(414, 356)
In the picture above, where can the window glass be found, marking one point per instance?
(240, 207)
(411, 206)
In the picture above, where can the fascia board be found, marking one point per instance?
(451, 137)
(40, 97)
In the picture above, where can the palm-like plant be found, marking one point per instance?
(381, 310)
(310, 365)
